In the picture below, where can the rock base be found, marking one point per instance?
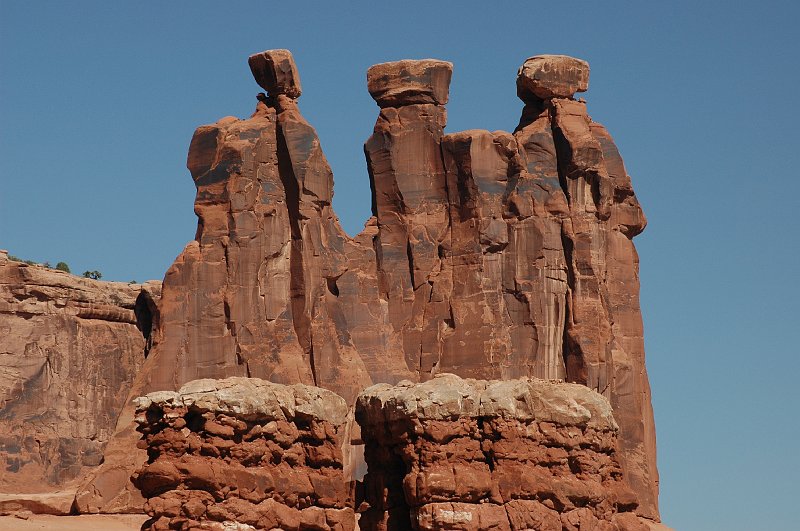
(480, 455)
(244, 453)
(447, 454)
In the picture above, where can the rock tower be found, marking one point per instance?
(489, 255)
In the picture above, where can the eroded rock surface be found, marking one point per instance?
(490, 255)
(552, 76)
(244, 452)
(276, 72)
(410, 82)
(492, 455)
(69, 350)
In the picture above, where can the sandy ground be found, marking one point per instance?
(88, 522)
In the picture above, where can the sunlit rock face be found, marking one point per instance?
(70, 348)
(489, 255)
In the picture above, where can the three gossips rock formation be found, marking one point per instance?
(489, 255)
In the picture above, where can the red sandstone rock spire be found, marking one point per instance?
(411, 206)
(490, 255)
(603, 340)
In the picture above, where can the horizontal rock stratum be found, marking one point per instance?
(448, 397)
(489, 255)
(243, 453)
(492, 455)
(449, 453)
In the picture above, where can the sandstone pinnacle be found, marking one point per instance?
(410, 82)
(490, 255)
(276, 72)
(552, 76)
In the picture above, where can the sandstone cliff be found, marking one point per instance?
(70, 348)
(489, 255)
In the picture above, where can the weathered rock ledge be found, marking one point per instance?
(449, 453)
(244, 452)
(492, 455)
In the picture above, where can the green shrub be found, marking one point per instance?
(18, 259)
(94, 275)
(62, 266)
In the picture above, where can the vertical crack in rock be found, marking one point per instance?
(146, 312)
(573, 359)
(297, 287)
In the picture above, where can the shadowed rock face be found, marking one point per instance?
(490, 255)
(69, 349)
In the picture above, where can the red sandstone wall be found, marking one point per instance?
(69, 351)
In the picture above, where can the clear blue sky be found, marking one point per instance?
(98, 102)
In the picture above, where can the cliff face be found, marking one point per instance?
(69, 350)
(490, 255)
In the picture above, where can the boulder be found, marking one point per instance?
(552, 76)
(410, 82)
(465, 454)
(275, 72)
(244, 451)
